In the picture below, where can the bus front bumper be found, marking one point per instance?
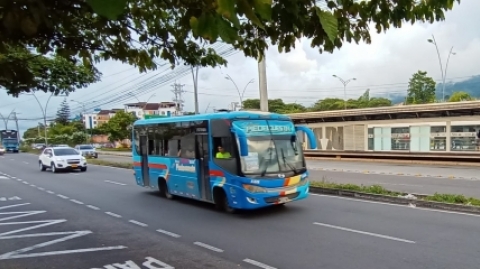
(243, 199)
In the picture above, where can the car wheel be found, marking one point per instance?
(83, 169)
(41, 166)
(53, 168)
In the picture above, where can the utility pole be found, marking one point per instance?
(262, 84)
(178, 91)
(345, 83)
(195, 87)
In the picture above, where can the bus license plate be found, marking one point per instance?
(283, 200)
(74, 166)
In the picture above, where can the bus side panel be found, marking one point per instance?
(158, 168)
(137, 169)
(183, 177)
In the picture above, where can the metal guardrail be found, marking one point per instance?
(394, 155)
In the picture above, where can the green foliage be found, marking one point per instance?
(421, 89)
(460, 96)
(274, 105)
(24, 71)
(175, 31)
(63, 113)
(278, 106)
(119, 126)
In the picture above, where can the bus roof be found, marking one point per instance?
(219, 115)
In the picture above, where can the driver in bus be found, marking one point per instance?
(222, 154)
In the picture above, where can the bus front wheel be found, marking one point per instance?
(221, 200)
(163, 188)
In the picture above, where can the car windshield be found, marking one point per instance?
(65, 152)
(86, 147)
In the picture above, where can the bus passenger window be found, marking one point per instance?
(188, 146)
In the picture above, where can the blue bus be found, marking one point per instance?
(235, 160)
(9, 139)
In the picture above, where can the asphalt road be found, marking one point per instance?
(319, 232)
(397, 177)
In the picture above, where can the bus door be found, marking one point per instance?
(144, 160)
(203, 157)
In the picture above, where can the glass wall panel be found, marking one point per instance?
(465, 138)
(438, 138)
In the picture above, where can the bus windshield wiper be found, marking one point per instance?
(267, 162)
(292, 167)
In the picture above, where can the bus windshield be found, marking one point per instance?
(272, 148)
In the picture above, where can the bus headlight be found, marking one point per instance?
(254, 189)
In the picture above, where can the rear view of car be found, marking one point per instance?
(2, 150)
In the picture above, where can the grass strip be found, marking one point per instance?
(111, 164)
(116, 149)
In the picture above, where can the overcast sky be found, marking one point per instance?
(301, 76)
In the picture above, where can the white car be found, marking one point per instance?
(61, 158)
(2, 150)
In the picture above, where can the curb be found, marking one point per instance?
(393, 161)
(397, 200)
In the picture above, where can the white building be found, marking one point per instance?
(90, 119)
(162, 109)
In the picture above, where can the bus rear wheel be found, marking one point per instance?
(163, 188)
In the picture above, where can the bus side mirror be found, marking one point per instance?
(242, 141)
(310, 135)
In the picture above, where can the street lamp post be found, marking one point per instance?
(442, 70)
(44, 112)
(345, 83)
(241, 94)
(6, 119)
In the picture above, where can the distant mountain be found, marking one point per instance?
(471, 86)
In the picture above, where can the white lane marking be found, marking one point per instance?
(113, 182)
(76, 201)
(93, 207)
(2, 177)
(10, 206)
(24, 182)
(51, 192)
(13, 177)
(364, 233)
(12, 160)
(73, 174)
(25, 162)
(389, 204)
(33, 185)
(207, 246)
(113, 214)
(62, 196)
(397, 184)
(168, 233)
(40, 188)
(138, 223)
(258, 264)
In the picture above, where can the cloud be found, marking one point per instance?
(301, 76)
